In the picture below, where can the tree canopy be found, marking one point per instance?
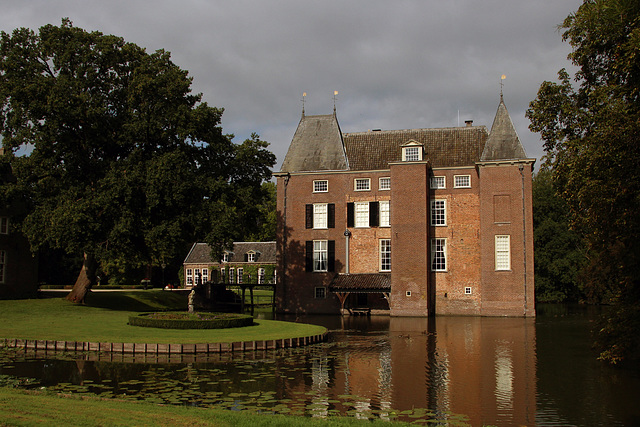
(127, 164)
(591, 131)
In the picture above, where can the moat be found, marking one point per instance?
(480, 371)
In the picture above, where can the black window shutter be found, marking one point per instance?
(309, 216)
(309, 255)
(331, 213)
(246, 257)
(331, 255)
(350, 214)
(374, 209)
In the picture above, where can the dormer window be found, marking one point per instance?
(412, 152)
(225, 257)
(250, 256)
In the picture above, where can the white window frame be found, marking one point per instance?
(362, 184)
(240, 275)
(205, 275)
(467, 290)
(321, 186)
(196, 275)
(438, 213)
(439, 249)
(321, 255)
(261, 276)
(320, 290)
(384, 207)
(320, 215)
(222, 274)
(361, 214)
(412, 153)
(251, 256)
(503, 252)
(4, 225)
(189, 275)
(232, 275)
(225, 257)
(458, 181)
(384, 183)
(438, 182)
(3, 265)
(385, 255)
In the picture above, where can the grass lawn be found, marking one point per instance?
(27, 408)
(105, 315)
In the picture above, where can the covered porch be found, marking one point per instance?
(362, 294)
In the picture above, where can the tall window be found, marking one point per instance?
(462, 181)
(260, 276)
(362, 184)
(412, 154)
(438, 212)
(362, 214)
(189, 277)
(384, 213)
(320, 215)
(4, 225)
(223, 275)
(503, 252)
(321, 186)
(320, 255)
(3, 263)
(438, 254)
(385, 254)
(197, 277)
(438, 182)
(240, 275)
(384, 183)
(232, 275)
(205, 275)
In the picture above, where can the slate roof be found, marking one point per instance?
(503, 142)
(200, 253)
(367, 282)
(316, 146)
(443, 147)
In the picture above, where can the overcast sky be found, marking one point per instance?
(396, 64)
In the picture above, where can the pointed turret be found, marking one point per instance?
(503, 142)
(317, 145)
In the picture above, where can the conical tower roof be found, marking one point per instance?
(503, 142)
(316, 146)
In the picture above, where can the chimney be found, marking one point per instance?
(469, 123)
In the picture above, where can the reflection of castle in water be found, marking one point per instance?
(483, 368)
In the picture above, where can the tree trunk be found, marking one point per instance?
(86, 279)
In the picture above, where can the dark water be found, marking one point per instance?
(480, 371)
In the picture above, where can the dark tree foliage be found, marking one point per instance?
(591, 131)
(559, 254)
(128, 166)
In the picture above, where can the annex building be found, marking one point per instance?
(410, 222)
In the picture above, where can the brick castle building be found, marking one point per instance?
(406, 222)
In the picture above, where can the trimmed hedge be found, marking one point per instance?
(183, 320)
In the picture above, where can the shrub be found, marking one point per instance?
(181, 320)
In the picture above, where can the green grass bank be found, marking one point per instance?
(105, 315)
(29, 408)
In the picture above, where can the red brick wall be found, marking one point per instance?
(504, 291)
(410, 240)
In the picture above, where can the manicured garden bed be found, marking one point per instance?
(183, 320)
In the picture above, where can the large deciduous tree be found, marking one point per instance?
(127, 164)
(591, 131)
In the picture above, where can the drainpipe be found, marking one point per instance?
(524, 237)
(347, 234)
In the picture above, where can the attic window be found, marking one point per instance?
(411, 154)
(251, 256)
(225, 257)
